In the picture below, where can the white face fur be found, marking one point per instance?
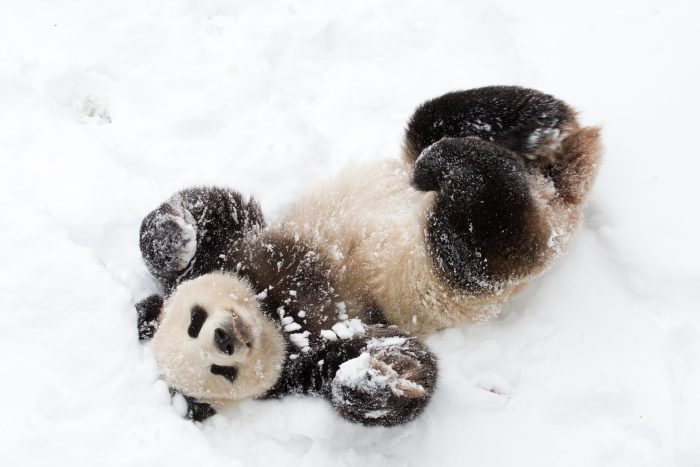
(214, 344)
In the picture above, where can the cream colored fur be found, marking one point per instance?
(186, 361)
(372, 222)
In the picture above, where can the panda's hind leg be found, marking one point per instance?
(485, 229)
(193, 232)
(529, 122)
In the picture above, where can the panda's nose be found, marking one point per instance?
(224, 340)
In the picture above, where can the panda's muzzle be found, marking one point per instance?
(232, 335)
(225, 340)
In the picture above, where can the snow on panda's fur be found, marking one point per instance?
(268, 321)
(486, 195)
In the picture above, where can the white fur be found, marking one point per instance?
(186, 361)
(372, 224)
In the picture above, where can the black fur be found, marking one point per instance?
(147, 313)
(228, 372)
(196, 411)
(484, 227)
(290, 274)
(199, 316)
(505, 115)
(221, 216)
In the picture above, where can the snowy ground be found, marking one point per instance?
(107, 108)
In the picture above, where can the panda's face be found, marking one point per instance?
(214, 344)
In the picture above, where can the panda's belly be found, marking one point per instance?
(372, 224)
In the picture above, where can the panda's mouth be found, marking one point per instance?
(228, 372)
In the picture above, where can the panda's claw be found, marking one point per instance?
(187, 229)
(401, 384)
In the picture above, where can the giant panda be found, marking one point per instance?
(332, 299)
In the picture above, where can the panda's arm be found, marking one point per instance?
(196, 411)
(147, 316)
(195, 232)
(383, 376)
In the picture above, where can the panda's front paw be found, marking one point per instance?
(429, 168)
(388, 384)
(169, 237)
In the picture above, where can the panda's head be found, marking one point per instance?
(214, 344)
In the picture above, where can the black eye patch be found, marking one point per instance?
(199, 316)
(228, 372)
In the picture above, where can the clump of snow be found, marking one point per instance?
(287, 320)
(373, 376)
(376, 413)
(383, 342)
(300, 339)
(353, 373)
(342, 311)
(328, 335)
(349, 328)
(262, 295)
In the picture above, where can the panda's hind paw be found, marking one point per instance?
(430, 168)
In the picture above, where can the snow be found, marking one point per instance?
(371, 376)
(353, 373)
(292, 327)
(110, 107)
(299, 339)
(383, 342)
(328, 335)
(348, 328)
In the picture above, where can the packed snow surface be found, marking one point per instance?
(107, 108)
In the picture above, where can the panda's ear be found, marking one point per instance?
(148, 311)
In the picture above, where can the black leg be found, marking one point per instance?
(194, 232)
(485, 227)
(196, 411)
(523, 120)
(381, 376)
(148, 313)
